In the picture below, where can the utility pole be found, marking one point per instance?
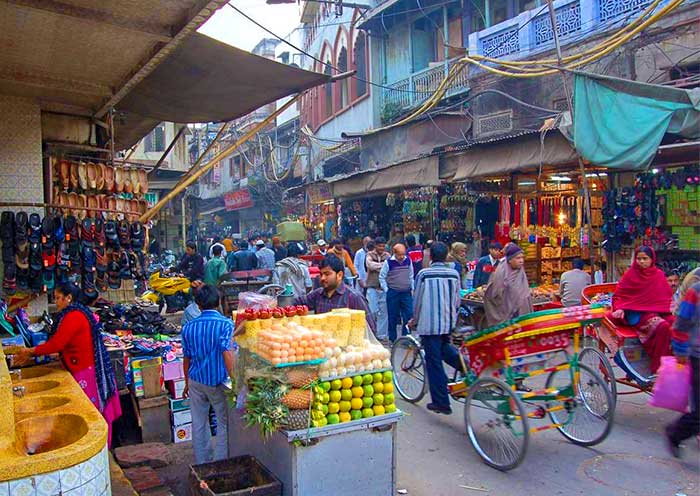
(582, 168)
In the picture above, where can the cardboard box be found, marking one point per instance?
(176, 388)
(178, 405)
(182, 417)
(182, 433)
(173, 371)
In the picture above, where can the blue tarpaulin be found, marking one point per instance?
(620, 123)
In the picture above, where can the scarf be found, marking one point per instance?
(293, 265)
(106, 383)
(507, 295)
(643, 290)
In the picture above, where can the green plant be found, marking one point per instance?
(264, 406)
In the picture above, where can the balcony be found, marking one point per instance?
(416, 88)
(531, 31)
(523, 36)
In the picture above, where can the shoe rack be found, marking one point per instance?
(85, 187)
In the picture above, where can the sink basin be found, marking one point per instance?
(31, 373)
(38, 386)
(40, 404)
(48, 433)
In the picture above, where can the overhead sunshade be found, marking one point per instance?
(205, 80)
(620, 123)
(492, 160)
(420, 172)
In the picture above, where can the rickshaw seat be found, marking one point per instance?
(621, 331)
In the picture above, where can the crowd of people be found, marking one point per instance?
(403, 284)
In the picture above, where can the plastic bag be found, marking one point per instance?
(672, 387)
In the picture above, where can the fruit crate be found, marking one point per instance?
(234, 477)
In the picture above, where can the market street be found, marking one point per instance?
(435, 458)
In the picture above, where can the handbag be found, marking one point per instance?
(672, 386)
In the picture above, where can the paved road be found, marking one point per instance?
(436, 459)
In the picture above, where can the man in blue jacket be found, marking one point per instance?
(487, 265)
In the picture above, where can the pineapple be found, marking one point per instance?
(297, 399)
(297, 420)
(301, 378)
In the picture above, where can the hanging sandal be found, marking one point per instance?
(124, 231)
(100, 177)
(7, 227)
(74, 173)
(135, 181)
(91, 173)
(36, 260)
(111, 235)
(94, 208)
(34, 228)
(9, 281)
(99, 233)
(82, 203)
(113, 275)
(118, 179)
(83, 176)
(138, 236)
(48, 280)
(109, 178)
(21, 224)
(64, 173)
(22, 256)
(48, 232)
(143, 181)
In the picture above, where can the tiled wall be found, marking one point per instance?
(90, 478)
(20, 150)
(21, 171)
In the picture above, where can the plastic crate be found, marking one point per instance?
(234, 477)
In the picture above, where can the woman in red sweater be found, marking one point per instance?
(77, 337)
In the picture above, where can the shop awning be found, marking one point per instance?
(205, 80)
(505, 157)
(620, 123)
(390, 12)
(420, 172)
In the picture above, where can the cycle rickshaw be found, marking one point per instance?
(498, 409)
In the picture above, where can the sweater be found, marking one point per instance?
(397, 276)
(685, 333)
(73, 340)
(374, 263)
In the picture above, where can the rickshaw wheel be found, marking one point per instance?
(496, 423)
(588, 415)
(597, 360)
(408, 365)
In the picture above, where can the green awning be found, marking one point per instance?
(620, 123)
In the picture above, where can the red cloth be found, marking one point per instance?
(73, 340)
(643, 290)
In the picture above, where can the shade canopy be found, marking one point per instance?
(205, 80)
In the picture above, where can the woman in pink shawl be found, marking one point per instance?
(642, 301)
(507, 292)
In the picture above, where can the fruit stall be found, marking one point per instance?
(315, 395)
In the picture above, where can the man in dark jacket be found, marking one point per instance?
(242, 259)
(192, 264)
(487, 265)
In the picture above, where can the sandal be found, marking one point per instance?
(74, 181)
(143, 181)
(118, 180)
(64, 173)
(138, 236)
(59, 234)
(7, 227)
(22, 256)
(113, 275)
(87, 232)
(21, 223)
(91, 173)
(99, 233)
(111, 235)
(100, 178)
(93, 206)
(34, 228)
(35, 280)
(124, 266)
(109, 178)
(9, 281)
(124, 232)
(82, 203)
(83, 176)
(47, 232)
(135, 184)
(36, 260)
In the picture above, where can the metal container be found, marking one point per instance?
(349, 459)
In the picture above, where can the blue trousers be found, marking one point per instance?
(438, 348)
(399, 305)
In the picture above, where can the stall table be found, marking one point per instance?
(348, 459)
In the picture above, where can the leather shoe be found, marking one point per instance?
(439, 409)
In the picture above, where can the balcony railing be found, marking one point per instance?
(531, 31)
(417, 87)
(528, 33)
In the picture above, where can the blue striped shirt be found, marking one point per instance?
(436, 300)
(204, 340)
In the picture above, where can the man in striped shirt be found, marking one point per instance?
(435, 308)
(208, 363)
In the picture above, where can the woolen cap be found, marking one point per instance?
(512, 250)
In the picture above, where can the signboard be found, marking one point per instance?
(320, 193)
(237, 200)
(216, 174)
(151, 199)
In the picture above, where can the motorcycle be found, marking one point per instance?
(174, 292)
